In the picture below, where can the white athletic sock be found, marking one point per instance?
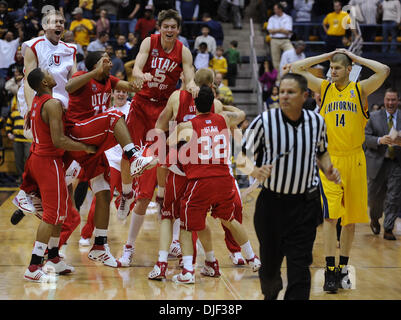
(176, 230)
(187, 261)
(134, 227)
(100, 232)
(248, 251)
(39, 248)
(127, 188)
(129, 147)
(210, 256)
(163, 256)
(53, 242)
(160, 192)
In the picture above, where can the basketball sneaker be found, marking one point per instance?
(185, 277)
(175, 250)
(254, 263)
(102, 253)
(58, 266)
(237, 258)
(159, 271)
(140, 163)
(331, 279)
(125, 204)
(128, 253)
(84, 242)
(35, 273)
(344, 281)
(211, 269)
(23, 202)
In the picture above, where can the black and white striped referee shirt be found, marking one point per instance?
(272, 133)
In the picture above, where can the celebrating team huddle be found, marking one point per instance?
(69, 116)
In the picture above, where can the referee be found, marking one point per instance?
(290, 141)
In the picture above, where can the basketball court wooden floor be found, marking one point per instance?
(375, 266)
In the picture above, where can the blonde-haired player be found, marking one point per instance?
(345, 110)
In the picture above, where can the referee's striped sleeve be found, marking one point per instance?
(322, 142)
(253, 139)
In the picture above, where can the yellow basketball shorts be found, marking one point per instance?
(348, 200)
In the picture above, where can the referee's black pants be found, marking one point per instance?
(286, 226)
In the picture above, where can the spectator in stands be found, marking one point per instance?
(233, 8)
(132, 46)
(100, 43)
(303, 15)
(233, 57)
(6, 22)
(120, 45)
(102, 24)
(202, 57)
(333, 27)
(215, 28)
(183, 40)
(319, 11)
(292, 55)
(160, 5)
(69, 38)
(111, 6)
(31, 24)
(15, 132)
(208, 39)
(117, 60)
(368, 10)
(210, 7)
(218, 62)
(267, 77)
(224, 93)
(374, 107)
(272, 101)
(146, 25)
(8, 48)
(189, 11)
(83, 28)
(18, 63)
(391, 21)
(87, 7)
(128, 11)
(279, 27)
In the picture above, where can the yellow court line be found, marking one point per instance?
(9, 188)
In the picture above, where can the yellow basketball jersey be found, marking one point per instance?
(345, 116)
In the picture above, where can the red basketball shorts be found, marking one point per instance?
(174, 191)
(48, 174)
(99, 131)
(201, 195)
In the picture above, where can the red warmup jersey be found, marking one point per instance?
(187, 109)
(91, 99)
(42, 144)
(165, 68)
(213, 143)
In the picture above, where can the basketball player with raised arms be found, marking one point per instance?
(210, 183)
(158, 65)
(345, 110)
(48, 147)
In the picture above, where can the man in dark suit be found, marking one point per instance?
(383, 159)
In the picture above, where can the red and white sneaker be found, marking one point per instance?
(175, 250)
(102, 254)
(23, 202)
(58, 266)
(125, 204)
(35, 273)
(211, 269)
(185, 277)
(237, 258)
(140, 163)
(159, 271)
(254, 263)
(126, 258)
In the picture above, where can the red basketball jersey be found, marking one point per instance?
(187, 108)
(165, 69)
(212, 139)
(91, 99)
(42, 144)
